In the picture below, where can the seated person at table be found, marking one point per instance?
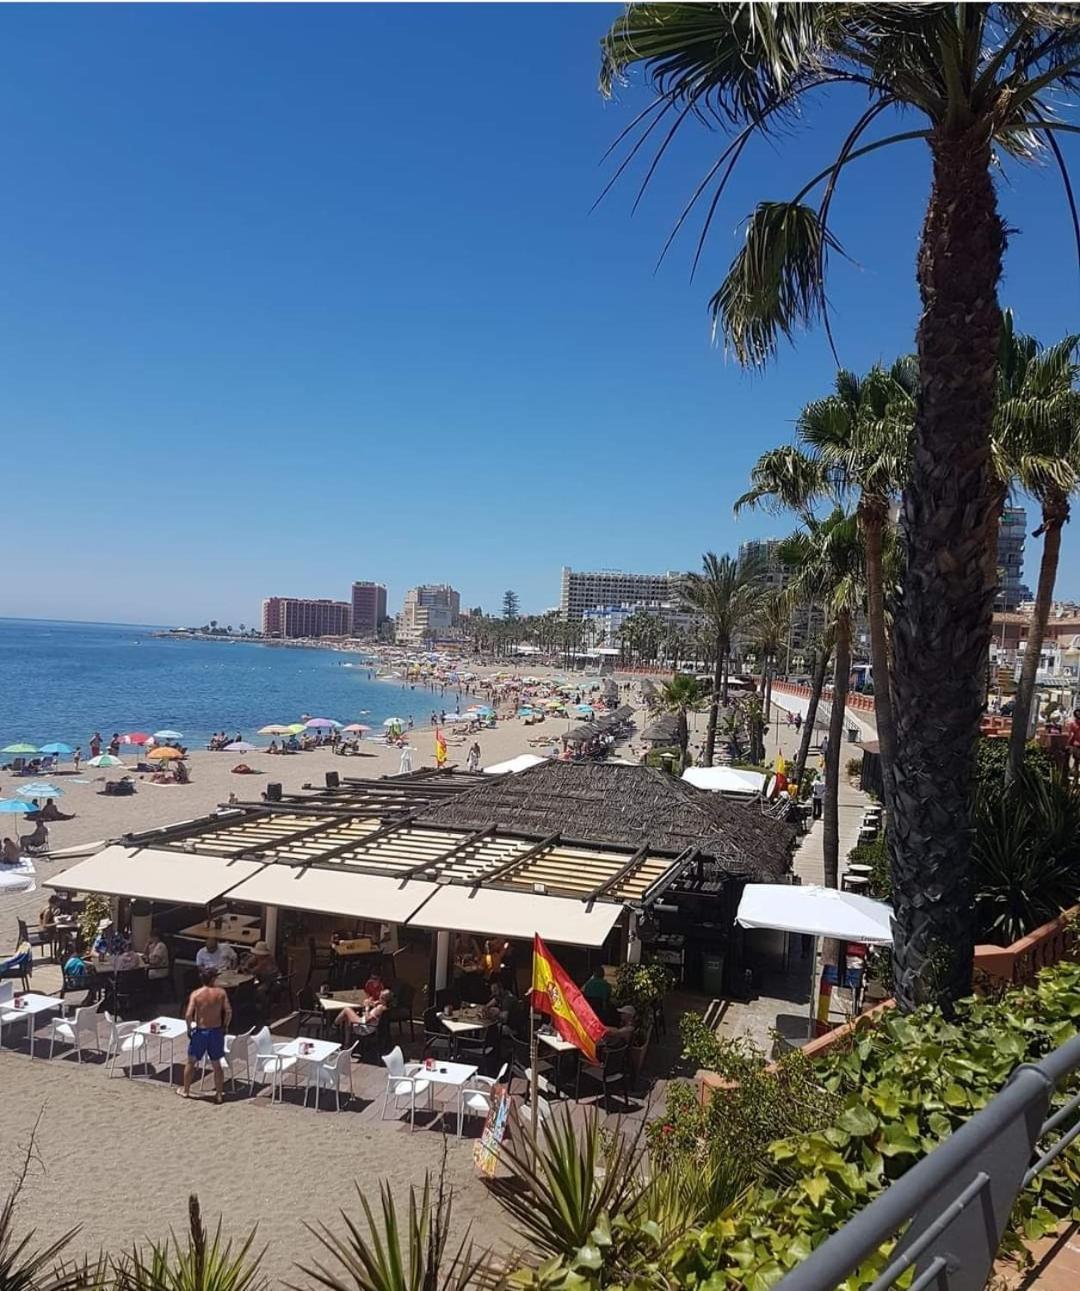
(127, 960)
(215, 954)
(108, 943)
(208, 1013)
(374, 986)
(78, 970)
(366, 1020)
(157, 958)
(10, 853)
(48, 912)
(497, 1009)
(261, 963)
(597, 990)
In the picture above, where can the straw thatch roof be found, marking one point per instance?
(662, 730)
(626, 806)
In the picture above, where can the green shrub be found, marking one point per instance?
(875, 854)
(853, 768)
(991, 757)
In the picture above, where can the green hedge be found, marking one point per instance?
(904, 1085)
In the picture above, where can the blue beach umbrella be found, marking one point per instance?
(64, 750)
(14, 806)
(168, 735)
(40, 789)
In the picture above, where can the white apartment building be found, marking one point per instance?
(605, 621)
(430, 613)
(586, 590)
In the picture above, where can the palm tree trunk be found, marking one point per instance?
(873, 522)
(943, 614)
(830, 829)
(1055, 514)
(821, 669)
(724, 687)
(714, 706)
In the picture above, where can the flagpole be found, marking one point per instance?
(534, 1076)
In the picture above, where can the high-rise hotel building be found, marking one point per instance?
(583, 590)
(297, 616)
(368, 608)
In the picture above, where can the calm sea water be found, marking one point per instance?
(63, 681)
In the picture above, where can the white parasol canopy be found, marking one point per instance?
(724, 779)
(816, 911)
(512, 765)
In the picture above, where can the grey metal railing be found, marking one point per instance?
(958, 1198)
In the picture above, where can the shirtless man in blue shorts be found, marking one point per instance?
(208, 1013)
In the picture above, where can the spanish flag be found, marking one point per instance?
(440, 748)
(555, 994)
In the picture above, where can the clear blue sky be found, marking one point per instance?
(291, 296)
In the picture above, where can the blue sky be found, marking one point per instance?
(291, 296)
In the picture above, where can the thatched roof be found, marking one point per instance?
(662, 730)
(627, 806)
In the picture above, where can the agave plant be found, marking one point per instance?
(201, 1263)
(409, 1255)
(26, 1267)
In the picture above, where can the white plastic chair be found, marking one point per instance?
(479, 1093)
(328, 1074)
(79, 1030)
(268, 1062)
(124, 1041)
(238, 1053)
(7, 992)
(404, 1082)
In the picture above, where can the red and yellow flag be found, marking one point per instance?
(440, 748)
(555, 994)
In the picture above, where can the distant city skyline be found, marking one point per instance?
(269, 319)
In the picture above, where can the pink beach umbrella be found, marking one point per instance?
(136, 737)
(322, 724)
(356, 727)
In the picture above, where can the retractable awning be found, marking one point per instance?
(362, 896)
(493, 912)
(153, 875)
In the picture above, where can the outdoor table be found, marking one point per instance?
(468, 1023)
(162, 1030)
(318, 1050)
(453, 1074)
(562, 1048)
(31, 1005)
(857, 867)
(245, 935)
(230, 979)
(343, 1000)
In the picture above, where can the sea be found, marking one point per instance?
(62, 681)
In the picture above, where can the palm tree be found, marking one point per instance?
(726, 594)
(1042, 442)
(853, 446)
(830, 565)
(681, 695)
(769, 632)
(980, 80)
(823, 654)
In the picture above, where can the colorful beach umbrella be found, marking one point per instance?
(19, 748)
(355, 727)
(394, 721)
(63, 750)
(275, 728)
(297, 728)
(136, 737)
(240, 746)
(168, 735)
(39, 789)
(104, 760)
(14, 806)
(322, 724)
(164, 754)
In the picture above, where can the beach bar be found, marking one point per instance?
(384, 873)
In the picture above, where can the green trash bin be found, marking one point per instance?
(712, 974)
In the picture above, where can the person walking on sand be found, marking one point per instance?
(76, 758)
(95, 744)
(207, 1015)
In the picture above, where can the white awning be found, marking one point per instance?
(817, 911)
(154, 875)
(491, 912)
(511, 766)
(346, 892)
(724, 779)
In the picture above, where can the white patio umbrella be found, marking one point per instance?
(817, 912)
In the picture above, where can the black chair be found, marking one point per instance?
(520, 1065)
(310, 1018)
(401, 1011)
(376, 1042)
(35, 936)
(124, 991)
(481, 1050)
(76, 982)
(438, 1043)
(611, 1072)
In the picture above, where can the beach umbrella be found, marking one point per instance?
(322, 724)
(241, 746)
(356, 727)
(40, 789)
(164, 754)
(168, 735)
(584, 709)
(136, 737)
(274, 729)
(297, 728)
(394, 721)
(14, 806)
(105, 760)
(19, 748)
(64, 750)
(456, 717)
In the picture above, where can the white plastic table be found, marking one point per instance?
(555, 1042)
(318, 1050)
(450, 1073)
(32, 1005)
(168, 1029)
(457, 1025)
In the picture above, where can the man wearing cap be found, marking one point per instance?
(262, 965)
(215, 954)
(207, 1015)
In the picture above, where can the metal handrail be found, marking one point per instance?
(959, 1197)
